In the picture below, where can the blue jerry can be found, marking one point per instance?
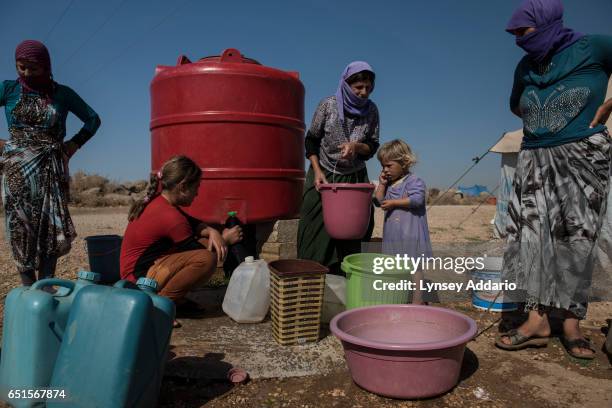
(161, 330)
(114, 348)
(34, 324)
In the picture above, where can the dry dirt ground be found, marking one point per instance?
(489, 378)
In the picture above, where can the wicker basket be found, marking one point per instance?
(296, 296)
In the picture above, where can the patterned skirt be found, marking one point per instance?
(35, 198)
(554, 221)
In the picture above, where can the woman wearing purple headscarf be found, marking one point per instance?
(343, 135)
(561, 180)
(34, 161)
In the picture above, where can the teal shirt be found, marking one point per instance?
(64, 100)
(558, 101)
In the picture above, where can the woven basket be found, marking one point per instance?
(296, 296)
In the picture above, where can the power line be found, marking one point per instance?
(59, 20)
(133, 43)
(476, 160)
(96, 31)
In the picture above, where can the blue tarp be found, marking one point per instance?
(474, 190)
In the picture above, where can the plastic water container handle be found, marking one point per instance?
(125, 284)
(54, 282)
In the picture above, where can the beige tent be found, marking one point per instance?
(508, 146)
(509, 143)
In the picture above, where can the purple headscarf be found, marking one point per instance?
(35, 51)
(546, 16)
(345, 98)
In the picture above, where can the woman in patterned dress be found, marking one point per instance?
(561, 180)
(34, 161)
(342, 136)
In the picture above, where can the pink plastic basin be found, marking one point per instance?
(404, 351)
(346, 209)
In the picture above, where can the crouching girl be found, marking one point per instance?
(162, 242)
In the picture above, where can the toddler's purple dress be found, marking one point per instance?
(405, 229)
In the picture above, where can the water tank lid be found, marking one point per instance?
(249, 259)
(89, 276)
(147, 284)
(229, 55)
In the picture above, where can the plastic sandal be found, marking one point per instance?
(578, 343)
(519, 341)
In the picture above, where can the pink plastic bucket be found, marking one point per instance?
(404, 351)
(346, 209)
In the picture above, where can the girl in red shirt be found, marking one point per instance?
(164, 243)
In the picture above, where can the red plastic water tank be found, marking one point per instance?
(243, 123)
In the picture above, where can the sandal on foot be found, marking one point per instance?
(578, 343)
(519, 341)
(176, 324)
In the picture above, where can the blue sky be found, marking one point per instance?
(444, 68)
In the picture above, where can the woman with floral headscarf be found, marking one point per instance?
(343, 135)
(561, 180)
(34, 161)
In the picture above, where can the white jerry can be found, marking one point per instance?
(247, 298)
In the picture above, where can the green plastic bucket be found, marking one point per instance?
(366, 288)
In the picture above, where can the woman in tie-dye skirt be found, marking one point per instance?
(34, 162)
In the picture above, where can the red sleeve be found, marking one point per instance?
(179, 229)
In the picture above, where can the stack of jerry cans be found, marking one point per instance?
(160, 329)
(34, 327)
(115, 348)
